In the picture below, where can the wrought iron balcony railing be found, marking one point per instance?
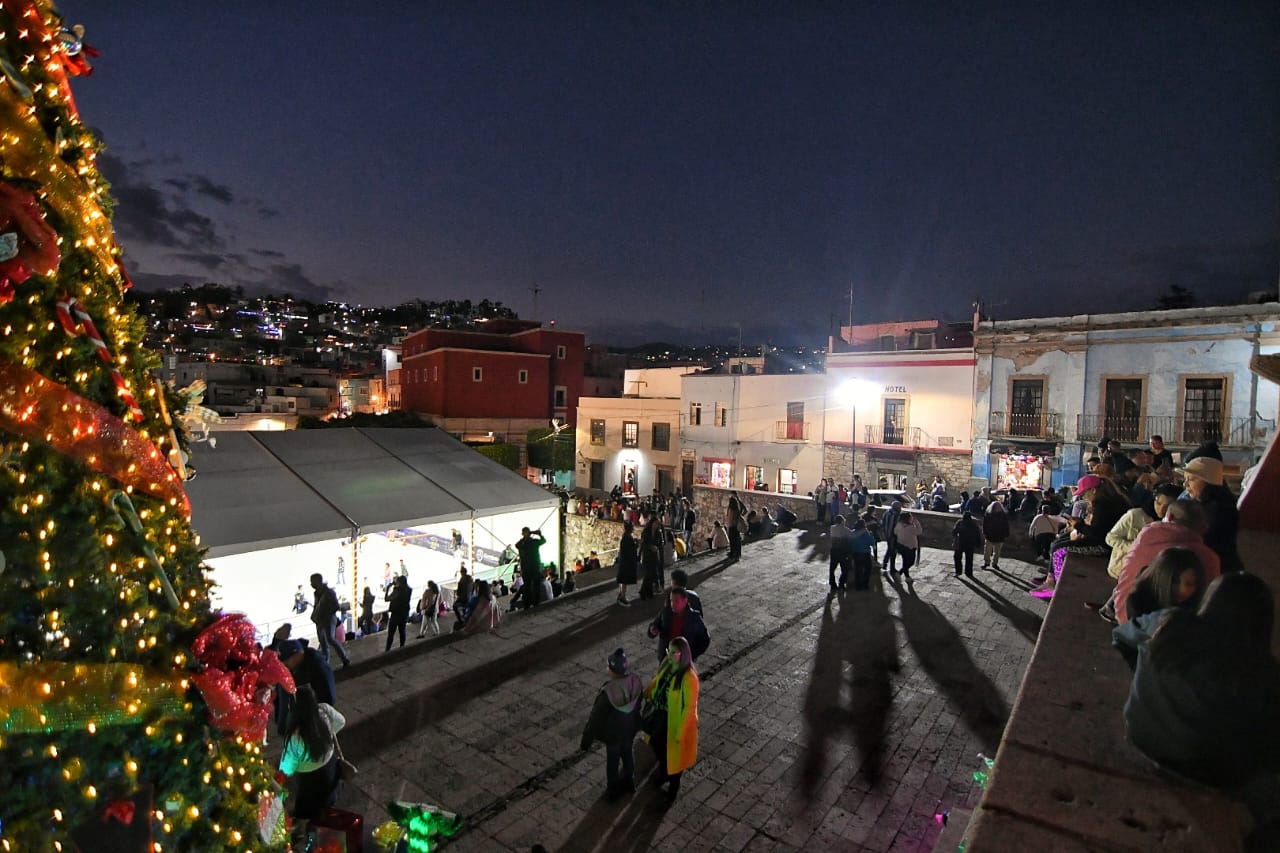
(879, 434)
(1229, 432)
(1046, 425)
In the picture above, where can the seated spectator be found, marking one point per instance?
(1203, 479)
(785, 518)
(548, 591)
(1125, 532)
(1099, 506)
(500, 588)
(719, 537)
(755, 527)
(1204, 694)
(1044, 528)
(484, 615)
(557, 587)
(1182, 527)
(570, 583)
(768, 524)
(1174, 579)
(593, 562)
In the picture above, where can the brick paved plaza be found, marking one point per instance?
(828, 723)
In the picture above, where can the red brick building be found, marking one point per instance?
(514, 371)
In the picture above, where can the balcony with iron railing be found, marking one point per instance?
(1042, 425)
(791, 431)
(1228, 432)
(905, 436)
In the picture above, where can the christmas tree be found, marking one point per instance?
(131, 715)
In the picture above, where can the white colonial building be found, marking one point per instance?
(744, 430)
(1049, 389)
(899, 404)
(632, 441)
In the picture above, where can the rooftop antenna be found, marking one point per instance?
(536, 290)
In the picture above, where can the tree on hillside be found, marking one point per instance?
(131, 715)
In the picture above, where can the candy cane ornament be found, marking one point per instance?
(68, 306)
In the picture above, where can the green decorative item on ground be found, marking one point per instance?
(413, 826)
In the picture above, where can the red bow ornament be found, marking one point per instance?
(237, 677)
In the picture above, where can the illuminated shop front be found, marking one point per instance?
(1019, 466)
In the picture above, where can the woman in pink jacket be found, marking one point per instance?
(1183, 527)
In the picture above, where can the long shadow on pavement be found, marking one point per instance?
(627, 826)
(392, 724)
(1027, 623)
(945, 659)
(860, 634)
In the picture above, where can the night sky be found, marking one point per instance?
(672, 170)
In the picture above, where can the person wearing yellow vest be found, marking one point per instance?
(674, 694)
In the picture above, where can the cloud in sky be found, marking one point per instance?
(170, 239)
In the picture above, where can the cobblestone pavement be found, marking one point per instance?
(827, 722)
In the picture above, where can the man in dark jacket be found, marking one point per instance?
(680, 580)
(887, 524)
(966, 537)
(400, 598)
(324, 613)
(530, 564)
(1202, 478)
(678, 620)
(615, 715)
(308, 668)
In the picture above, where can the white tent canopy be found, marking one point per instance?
(259, 490)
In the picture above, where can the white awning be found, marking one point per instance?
(260, 490)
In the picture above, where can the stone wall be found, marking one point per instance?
(583, 534)
(956, 468)
(711, 503)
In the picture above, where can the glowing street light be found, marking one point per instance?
(855, 392)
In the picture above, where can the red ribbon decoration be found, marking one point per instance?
(120, 810)
(33, 407)
(37, 242)
(238, 676)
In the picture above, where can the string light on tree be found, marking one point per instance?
(105, 706)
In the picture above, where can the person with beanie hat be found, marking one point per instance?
(615, 716)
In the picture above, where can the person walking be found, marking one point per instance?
(840, 540)
(366, 612)
(862, 552)
(615, 716)
(651, 558)
(429, 607)
(530, 564)
(995, 529)
(688, 521)
(628, 562)
(733, 522)
(310, 755)
(324, 614)
(677, 619)
(889, 525)
(399, 599)
(673, 728)
(906, 536)
(966, 537)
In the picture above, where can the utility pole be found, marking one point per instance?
(536, 290)
(851, 310)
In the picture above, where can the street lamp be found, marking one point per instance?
(853, 392)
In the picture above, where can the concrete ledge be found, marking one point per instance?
(1065, 778)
